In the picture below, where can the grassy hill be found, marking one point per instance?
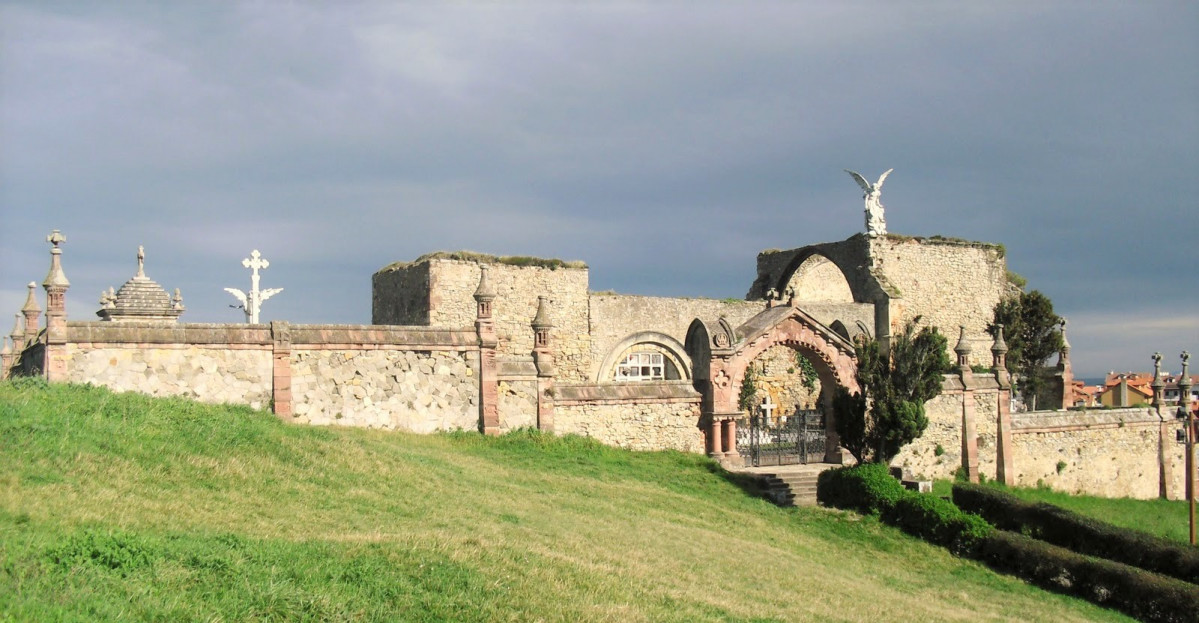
(122, 507)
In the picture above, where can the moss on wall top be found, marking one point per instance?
(484, 258)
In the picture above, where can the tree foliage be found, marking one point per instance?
(1033, 334)
(888, 413)
(747, 399)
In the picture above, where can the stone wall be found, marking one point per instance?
(781, 377)
(638, 416)
(206, 373)
(400, 295)
(213, 363)
(615, 317)
(1113, 453)
(949, 283)
(518, 404)
(418, 391)
(451, 285)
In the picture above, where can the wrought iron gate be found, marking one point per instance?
(799, 438)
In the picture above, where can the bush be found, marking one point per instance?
(939, 521)
(1081, 534)
(1146, 596)
(867, 488)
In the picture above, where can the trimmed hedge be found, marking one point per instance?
(869, 488)
(1078, 533)
(1135, 592)
(939, 521)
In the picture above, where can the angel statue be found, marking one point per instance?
(876, 224)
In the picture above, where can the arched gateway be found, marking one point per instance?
(720, 355)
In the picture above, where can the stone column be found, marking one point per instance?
(969, 428)
(281, 368)
(489, 384)
(717, 441)
(1005, 471)
(543, 359)
(1165, 440)
(56, 286)
(730, 438)
(31, 311)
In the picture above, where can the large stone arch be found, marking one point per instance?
(817, 278)
(720, 356)
(671, 347)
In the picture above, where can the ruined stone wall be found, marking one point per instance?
(418, 391)
(638, 416)
(614, 317)
(400, 295)
(1112, 453)
(451, 286)
(938, 452)
(781, 377)
(947, 282)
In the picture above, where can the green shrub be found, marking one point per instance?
(1138, 593)
(938, 521)
(1078, 533)
(868, 488)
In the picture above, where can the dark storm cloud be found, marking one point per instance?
(664, 144)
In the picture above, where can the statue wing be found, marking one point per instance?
(238, 294)
(860, 180)
(268, 293)
(879, 184)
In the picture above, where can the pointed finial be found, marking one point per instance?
(18, 330)
(31, 300)
(56, 277)
(177, 302)
(141, 262)
(963, 347)
(485, 292)
(5, 349)
(1000, 346)
(541, 320)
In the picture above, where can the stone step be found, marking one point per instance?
(789, 489)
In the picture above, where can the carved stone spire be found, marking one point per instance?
(963, 349)
(56, 277)
(141, 298)
(484, 294)
(18, 332)
(1184, 386)
(541, 325)
(31, 311)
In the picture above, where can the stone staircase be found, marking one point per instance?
(793, 485)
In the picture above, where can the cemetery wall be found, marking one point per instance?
(638, 416)
(416, 379)
(1114, 453)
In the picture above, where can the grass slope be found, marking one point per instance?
(123, 507)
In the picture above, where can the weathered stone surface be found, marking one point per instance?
(196, 371)
(389, 389)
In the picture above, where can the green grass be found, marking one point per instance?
(123, 507)
(1163, 518)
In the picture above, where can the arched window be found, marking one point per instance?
(642, 366)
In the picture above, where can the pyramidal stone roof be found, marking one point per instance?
(141, 298)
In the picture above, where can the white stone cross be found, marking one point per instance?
(768, 407)
(253, 303)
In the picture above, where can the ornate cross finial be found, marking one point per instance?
(56, 238)
(251, 303)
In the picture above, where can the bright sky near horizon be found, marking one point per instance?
(664, 143)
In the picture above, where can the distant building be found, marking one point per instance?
(1125, 389)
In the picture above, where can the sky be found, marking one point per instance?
(665, 144)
